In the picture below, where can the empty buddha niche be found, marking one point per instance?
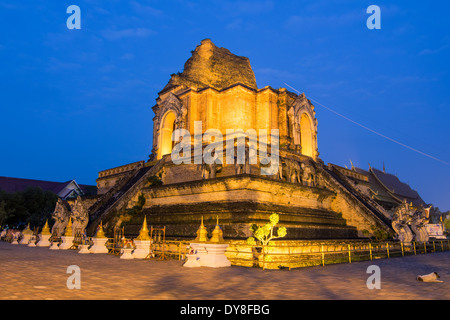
(306, 136)
(167, 128)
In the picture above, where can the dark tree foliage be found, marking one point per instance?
(90, 190)
(32, 206)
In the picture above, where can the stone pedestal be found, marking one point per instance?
(192, 261)
(43, 240)
(54, 245)
(84, 248)
(142, 249)
(25, 239)
(215, 256)
(208, 255)
(125, 253)
(32, 242)
(66, 243)
(99, 245)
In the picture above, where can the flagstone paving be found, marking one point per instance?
(40, 273)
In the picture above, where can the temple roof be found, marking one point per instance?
(62, 189)
(397, 188)
(382, 186)
(211, 66)
(377, 189)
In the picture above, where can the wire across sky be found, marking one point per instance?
(371, 130)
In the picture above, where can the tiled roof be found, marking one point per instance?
(9, 184)
(398, 188)
(12, 185)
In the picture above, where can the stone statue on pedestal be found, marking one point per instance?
(80, 216)
(241, 166)
(419, 220)
(61, 216)
(308, 174)
(294, 171)
(400, 220)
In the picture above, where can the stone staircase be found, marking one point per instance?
(335, 182)
(374, 206)
(118, 197)
(103, 201)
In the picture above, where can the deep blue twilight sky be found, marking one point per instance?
(74, 102)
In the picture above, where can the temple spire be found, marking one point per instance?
(217, 234)
(202, 233)
(45, 229)
(143, 233)
(100, 233)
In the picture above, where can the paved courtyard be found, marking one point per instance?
(40, 273)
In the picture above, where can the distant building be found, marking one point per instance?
(64, 190)
(385, 188)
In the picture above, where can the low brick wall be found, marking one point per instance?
(297, 253)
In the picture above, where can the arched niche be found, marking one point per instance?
(165, 133)
(306, 135)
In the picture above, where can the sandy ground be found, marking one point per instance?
(40, 273)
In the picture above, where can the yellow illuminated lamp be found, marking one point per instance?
(68, 232)
(143, 233)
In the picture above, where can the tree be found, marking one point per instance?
(32, 206)
(14, 207)
(265, 234)
(447, 224)
(90, 190)
(4, 215)
(39, 205)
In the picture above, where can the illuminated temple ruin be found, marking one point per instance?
(313, 200)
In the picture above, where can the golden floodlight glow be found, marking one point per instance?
(306, 136)
(167, 127)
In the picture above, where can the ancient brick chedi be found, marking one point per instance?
(218, 89)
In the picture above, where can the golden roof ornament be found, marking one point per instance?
(27, 230)
(68, 232)
(143, 233)
(45, 229)
(202, 233)
(100, 233)
(217, 234)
